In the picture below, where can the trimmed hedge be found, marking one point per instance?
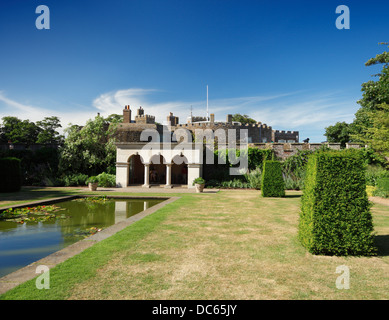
(10, 174)
(335, 216)
(273, 184)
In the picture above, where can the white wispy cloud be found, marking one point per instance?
(16, 106)
(11, 107)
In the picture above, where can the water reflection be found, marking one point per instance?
(22, 244)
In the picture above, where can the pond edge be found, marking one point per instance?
(28, 272)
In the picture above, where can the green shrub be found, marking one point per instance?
(383, 184)
(254, 178)
(77, 179)
(382, 189)
(374, 173)
(10, 175)
(198, 180)
(212, 183)
(92, 179)
(256, 157)
(297, 162)
(335, 216)
(38, 167)
(235, 184)
(221, 171)
(272, 181)
(293, 182)
(106, 180)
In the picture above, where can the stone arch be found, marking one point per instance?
(135, 169)
(157, 169)
(179, 170)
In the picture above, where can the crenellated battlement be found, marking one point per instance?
(285, 132)
(145, 118)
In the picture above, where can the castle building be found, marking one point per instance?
(150, 153)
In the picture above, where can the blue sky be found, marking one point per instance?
(283, 63)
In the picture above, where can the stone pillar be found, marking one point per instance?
(194, 171)
(168, 175)
(147, 176)
(122, 174)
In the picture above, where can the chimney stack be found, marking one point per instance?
(172, 120)
(127, 114)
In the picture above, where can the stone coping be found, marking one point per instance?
(28, 272)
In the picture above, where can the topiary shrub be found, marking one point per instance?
(335, 216)
(10, 174)
(273, 184)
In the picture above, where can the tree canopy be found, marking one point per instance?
(49, 133)
(27, 132)
(370, 125)
(90, 149)
(243, 118)
(339, 132)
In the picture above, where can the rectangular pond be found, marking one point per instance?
(42, 230)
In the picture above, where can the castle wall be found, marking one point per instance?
(256, 132)
(285, 136)
(284, 150)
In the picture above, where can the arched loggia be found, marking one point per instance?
(179, 170)
(135, 170)
(157, 170)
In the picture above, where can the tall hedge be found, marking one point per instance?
(335, 217)
(10, 175)
(273, 184)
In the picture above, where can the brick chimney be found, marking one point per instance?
(127, 114)
(212, 117)
(229, 118)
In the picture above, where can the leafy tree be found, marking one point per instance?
(370, 125)
(89, 149)
(48, 133)
(375, 93)
(17, 131)
(339, 132)
(114, 118)
(243, 119)
(377, 135)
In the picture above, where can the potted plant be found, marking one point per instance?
(199, 183)
(92, 183)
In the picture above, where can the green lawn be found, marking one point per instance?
(28, 194)
(230, 245)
